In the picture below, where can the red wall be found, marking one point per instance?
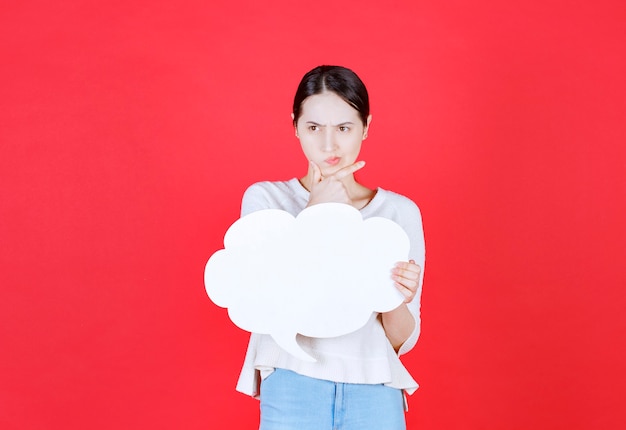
(130, 129)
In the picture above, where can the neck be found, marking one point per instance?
(354, 189)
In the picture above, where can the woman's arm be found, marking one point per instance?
(400, 323)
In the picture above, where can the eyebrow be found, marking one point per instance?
(332, 125)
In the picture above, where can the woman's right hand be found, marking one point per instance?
(327, 189)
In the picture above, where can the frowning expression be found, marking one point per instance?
(330, 131)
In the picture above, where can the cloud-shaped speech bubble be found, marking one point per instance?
(320, 274)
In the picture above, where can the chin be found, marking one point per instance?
(329, 171)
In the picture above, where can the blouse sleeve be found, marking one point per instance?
(254, 199)
(412, 224)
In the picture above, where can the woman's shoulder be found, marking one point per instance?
(289, 195)
(273, 187)
(401, 202)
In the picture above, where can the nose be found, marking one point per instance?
(328, 144)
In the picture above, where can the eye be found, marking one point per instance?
(344, 128)
(313, 128)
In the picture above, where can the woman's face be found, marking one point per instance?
(330, 132)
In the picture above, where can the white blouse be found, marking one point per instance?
(364, 356)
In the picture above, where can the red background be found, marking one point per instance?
(130, 129)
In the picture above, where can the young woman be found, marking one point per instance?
(358, 380)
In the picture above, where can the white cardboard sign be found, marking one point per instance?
(320, 274)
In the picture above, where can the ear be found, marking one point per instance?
(293, 120)
(367, 126)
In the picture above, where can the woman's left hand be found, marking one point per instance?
(406, 275)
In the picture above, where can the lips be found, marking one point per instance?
(331, 161)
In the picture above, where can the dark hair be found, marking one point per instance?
(339, 80)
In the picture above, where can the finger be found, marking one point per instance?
(408, 283)
(409, 274)
(406, 269)
(409, 265)
(406, 292)
(348, 170)
(317, 172)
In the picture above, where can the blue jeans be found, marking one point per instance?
(290, 401)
